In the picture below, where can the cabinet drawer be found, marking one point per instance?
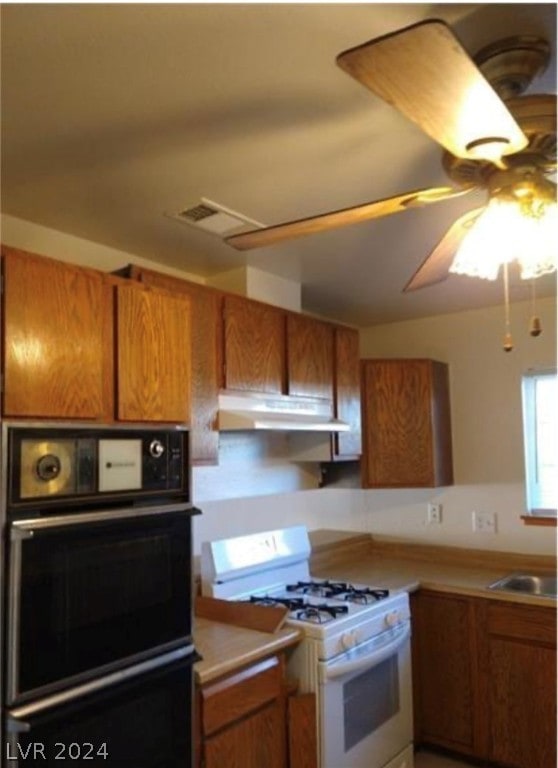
(238, 695)
(522, 621)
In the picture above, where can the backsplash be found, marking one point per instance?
(252, 464)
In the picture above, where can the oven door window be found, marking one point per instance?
(144, 723)
(88, 597)
(365, 712)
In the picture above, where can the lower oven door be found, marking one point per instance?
(91, 592)
(141, 717)
(365, 698)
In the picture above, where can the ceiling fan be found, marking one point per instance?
(494, 138)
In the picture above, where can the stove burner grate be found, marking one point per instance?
(320, 614)
(340, 589)
(292, 603)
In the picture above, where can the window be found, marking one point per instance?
(540, 431)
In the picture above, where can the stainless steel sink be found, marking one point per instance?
(542, 585)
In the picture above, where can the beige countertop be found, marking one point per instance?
(400, 565)
(225, 647)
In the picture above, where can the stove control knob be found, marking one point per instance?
(348, 640)
(392, 618)
(156, 448)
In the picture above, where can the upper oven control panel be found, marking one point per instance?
(59, 464)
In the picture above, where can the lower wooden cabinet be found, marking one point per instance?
(243, 721)
(443, 670)
(517, 683)
(485, 678)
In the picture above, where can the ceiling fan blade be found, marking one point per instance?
(258, 238)
(435, 267)
(425, 73)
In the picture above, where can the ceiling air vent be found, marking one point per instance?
(213, 218)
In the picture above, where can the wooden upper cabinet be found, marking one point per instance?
(309, 357)
(406, 424)
(347, 392)
(254, 344)
(205, 309)
(80, 344)
(153, 355)
(57, 339)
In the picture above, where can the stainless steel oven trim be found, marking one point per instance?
(13, 628)
(20, 713)
(25, 528)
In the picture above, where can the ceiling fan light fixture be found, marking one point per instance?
(506, 231)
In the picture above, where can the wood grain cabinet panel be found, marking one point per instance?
(256, 742)
(57, 339)
(254, 342)
(303, 731)
(153, 355)
(518, 684)
(484, 678)
(205, 310)
(444, 678)
(243, 718)
(406, 423)
(310, 349)
(347, 392)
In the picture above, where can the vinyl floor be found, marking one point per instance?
(424, 759)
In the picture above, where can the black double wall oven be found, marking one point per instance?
(97, 650)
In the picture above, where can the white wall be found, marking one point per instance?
(336, 509)
(486, 425)
(59, 245)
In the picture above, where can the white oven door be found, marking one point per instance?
(366, 704)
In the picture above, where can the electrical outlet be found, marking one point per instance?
(484, 522)
(434, 514)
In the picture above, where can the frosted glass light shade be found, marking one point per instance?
(503, 233)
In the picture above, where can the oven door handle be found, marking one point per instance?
(366, 658)
(26, 529)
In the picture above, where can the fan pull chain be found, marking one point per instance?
(508, 340)
(535, 327)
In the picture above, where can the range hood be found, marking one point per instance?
(276, 412)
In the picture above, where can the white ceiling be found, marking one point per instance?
(113, 115)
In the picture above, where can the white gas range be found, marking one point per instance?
(355, 655)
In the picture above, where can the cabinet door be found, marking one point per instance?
(406, 424)
(309, 357)
(519, 677)
(205, 308)
(258, 741)
(57, 339)
(243, 718)
(153, 353)
(254, 346)
(347, 392)
(443, 671)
